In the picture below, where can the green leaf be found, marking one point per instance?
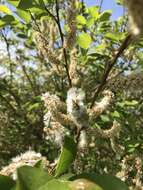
(105, 15)
(98, 49)
(115, 36)
(37, 10)
(5, 9)
(66, 176)
(2, 24)
(25, 4)
(115, 114)
(94, 12)
(84, 184)
(39, 164)
(84, 40)
(67, 156)
(21, 35)
(55, 185)
(40, 3)
(25, 15)
(6, 183)
(33, 106)
(90, 22)
(8, 19)
(120, 2)
(14, 2)
(105, 118)
(107, 182)
(81, 20)
(131, 103)
(31, 178)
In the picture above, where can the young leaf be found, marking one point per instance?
(5, 9)
(25, 15)
(81, 20)
(31, 178)
(94, 12)
(6, 183)
(2, 24)
(84, 40)
(67, 156)
(105, 15)
(14, 2)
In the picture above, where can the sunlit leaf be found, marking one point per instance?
(84, 40)
(104, 16)
(5, 9)
(14, 2)
(24, 15)
(81, 20)
(94, 12)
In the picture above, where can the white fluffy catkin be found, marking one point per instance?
(82, 140)
(76, 108)
(135, 11)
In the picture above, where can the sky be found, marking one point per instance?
(108, 4)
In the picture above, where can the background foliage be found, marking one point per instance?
(28, 70)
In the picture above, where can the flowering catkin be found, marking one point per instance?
(29, 158)
(71, 22)
(43, 46)
(76, 107)
(101, 106)
(135, 16)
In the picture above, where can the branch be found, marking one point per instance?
(123, 46)
(57, 20)
(36, 24)
(62, 39)
(8, 52)
(100, 6)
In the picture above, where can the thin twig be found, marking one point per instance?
(39, 30)
(7, 44)
(8, 52)
(51, 15)
(123, 46)
(57, 20)
(100, 6)
(62, 39)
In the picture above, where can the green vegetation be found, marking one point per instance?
(71, 88)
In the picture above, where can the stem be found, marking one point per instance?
(62, 39)
(123, 46)
(57, 20)
(100, 6)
